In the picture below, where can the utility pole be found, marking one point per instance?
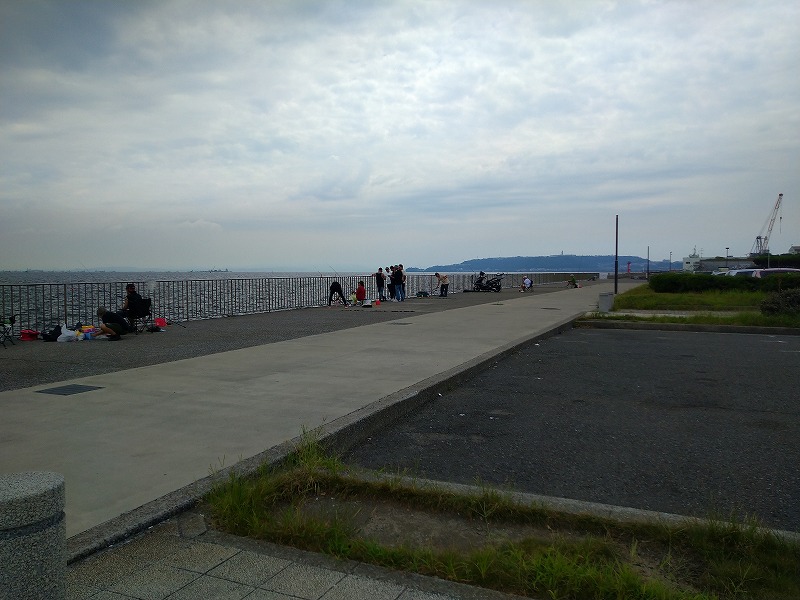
(616, 258)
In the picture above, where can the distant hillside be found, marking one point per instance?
(556, 264)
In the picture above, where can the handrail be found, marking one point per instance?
(41, 306)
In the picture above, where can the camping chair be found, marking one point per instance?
(139, 315)
(7, 330)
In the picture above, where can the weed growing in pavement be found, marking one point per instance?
(561, 556)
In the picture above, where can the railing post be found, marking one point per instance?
(33, 536)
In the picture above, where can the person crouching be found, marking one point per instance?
(112, 324)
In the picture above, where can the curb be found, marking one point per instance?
(646, 325)
(568, 506)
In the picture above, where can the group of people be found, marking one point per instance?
(392, 279)
(116, 324)
(357, 297)
(390, 283)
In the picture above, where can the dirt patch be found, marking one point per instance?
(393, 524)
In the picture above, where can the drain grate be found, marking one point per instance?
(396, 323)
(69, 390)
(550, 308)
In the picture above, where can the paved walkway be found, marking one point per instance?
(137, 446)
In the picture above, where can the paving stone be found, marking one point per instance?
(250, 568)
(154, 583)
(200, 557)
(353, 587)
(303, 581)
(212, 587)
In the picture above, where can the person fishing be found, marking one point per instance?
(336, 289)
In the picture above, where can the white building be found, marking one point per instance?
(691, 263)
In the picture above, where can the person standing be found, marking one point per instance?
(380, 283)
(336, 288)
(444, 283)
(390, 282)
(398, 278)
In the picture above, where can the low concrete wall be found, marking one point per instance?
(33, 533)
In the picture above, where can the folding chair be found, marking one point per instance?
(139, 315)
(7, 330)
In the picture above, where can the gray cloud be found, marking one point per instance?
(280, 129)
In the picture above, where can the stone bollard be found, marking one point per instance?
(33, 537)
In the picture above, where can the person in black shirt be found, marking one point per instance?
(380, 283)
(131, 302)
(336, 289)
(112, 324)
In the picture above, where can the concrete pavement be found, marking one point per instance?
(137, 446)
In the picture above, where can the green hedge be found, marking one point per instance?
(782, 303)
(677, 283)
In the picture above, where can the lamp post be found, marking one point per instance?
(726, 256)
(670, 262)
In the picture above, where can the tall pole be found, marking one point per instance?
(648, 263)
(616, 258)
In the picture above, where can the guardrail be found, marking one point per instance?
(41, 306)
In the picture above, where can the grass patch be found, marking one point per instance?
(313, 502)
(739, 308)
(644, 298)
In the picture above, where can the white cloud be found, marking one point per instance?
(423, 132)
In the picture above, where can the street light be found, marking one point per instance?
(726, 256)
(670, 262)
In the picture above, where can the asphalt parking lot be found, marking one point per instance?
(687, 423)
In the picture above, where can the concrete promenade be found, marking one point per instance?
(138, 445)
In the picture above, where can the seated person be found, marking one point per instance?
(132, 300)
(526, 284)
(112, 324)
(361, 293)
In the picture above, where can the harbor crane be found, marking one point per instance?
(761, 245)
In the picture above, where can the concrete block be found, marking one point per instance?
(33, 534)
(606, 302)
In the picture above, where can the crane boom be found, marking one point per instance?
(761, 245)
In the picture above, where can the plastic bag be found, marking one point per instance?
(67, 335)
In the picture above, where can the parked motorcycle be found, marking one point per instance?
(488, 284)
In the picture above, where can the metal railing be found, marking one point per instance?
(41, 306)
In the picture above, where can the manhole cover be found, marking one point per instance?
(69, 390)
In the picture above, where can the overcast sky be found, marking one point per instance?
(300, 135)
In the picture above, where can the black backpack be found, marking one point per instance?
(52, 335)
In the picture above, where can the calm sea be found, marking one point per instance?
(25, 277)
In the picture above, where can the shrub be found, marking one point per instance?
(783, 281)
(786, 302)
(678, 283)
